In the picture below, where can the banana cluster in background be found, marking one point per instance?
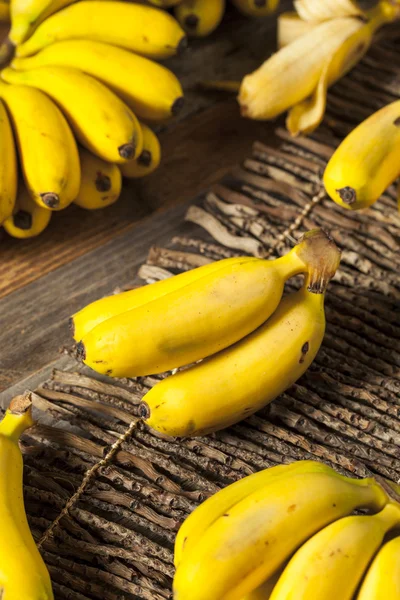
(318, 45)
(288, 533)
(230, 316)
(77, 104)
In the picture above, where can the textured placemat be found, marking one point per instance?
(105, 496)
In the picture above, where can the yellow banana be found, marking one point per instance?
(252, 540)
(8, 167)
(101, 121)
(153, 93)
(241, 379)
(27, 14)
(47, 149)
(197, 523)
(382, 581)
(149, 158)
(199, 18)
(23, 573)
(29, 218)
(332, 563)
(100, 182)
(291, 27)
(95, 313)
(315, 10)
(143, 29)
(367, 161)
(197, 320)
(256, 8)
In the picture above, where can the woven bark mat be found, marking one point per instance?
(105, 496)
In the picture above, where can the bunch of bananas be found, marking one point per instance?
(76, 101)
(229, 311)
(287, 533)
(23, 573)
(200, 18)
(318, 45)
(367, 161)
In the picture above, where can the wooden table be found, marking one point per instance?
(83, 255)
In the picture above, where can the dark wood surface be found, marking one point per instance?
(83, 255)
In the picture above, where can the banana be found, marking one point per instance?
(149, 158)
(100, 182)
(200, 18)
(143, 29)
(382, 581)
(315, 10)
(265, 590)
(47, 149)
(197, 320)
(197, 523)
(331, 564)
(256, 8)
(8, 167)
(291, 27)
(29, 218)
(243, 378)
(250, 542)
(101, 121)
(27, 14)
(23, 573)
(154, 93)
(367, 161)
(95, 313)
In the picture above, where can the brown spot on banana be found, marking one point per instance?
(191, 21)
(23, 220)
(103, 182)
(145, 158)
(348, 195)
(50, 199)
(127, 151)
(304, 350)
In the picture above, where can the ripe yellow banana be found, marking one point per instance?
(315, 10)
(153, 93)
(47, 149)
(367, 161)
(100, 182)
(199, 18)
(198, 522)
(241, 379)
(27, 14)
(382, 581)
(101, 121)
(23, 573)
(256, 8)
(143, 29)
(332, 563)
(8, 166)
(199, 319)
(29, 218)
(149, 158)
(95, 313)
(251, 541)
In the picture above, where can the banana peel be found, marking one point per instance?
(291, 27)
(317, 10)
(298, 76)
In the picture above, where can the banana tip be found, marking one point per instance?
(81, 351)
(182, 45)
(144, 411)
(177, 106)
(50, 199)
(348, 195)
(127, 151)
(145, 158)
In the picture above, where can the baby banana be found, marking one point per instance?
(29, 218)
(241, 379)
(153, 93)
(251, 541)
(382, 581)
(8, 166)
(367, 161)
(198, 522)
(143, 29)
(196, 320)
(23, 573)
(332, 563)
(100, 182)
(149, 158)
(200, 18)
(47, 149)
(256, 8)
(101, 121)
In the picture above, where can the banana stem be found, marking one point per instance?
(18, 417)
(321, 257)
